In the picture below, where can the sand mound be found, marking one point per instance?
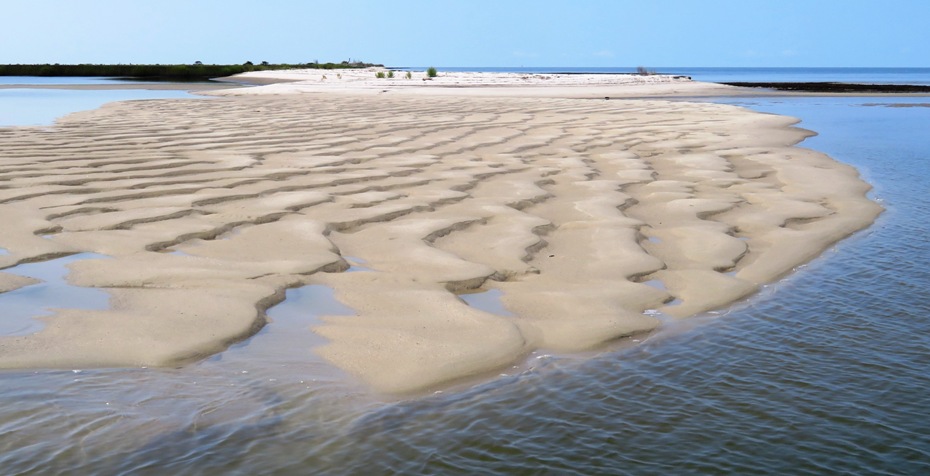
(210, 208)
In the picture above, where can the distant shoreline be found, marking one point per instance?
(596, 84)
(173, 72)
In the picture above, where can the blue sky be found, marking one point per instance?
(652, 33)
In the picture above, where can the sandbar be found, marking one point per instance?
(548, 190)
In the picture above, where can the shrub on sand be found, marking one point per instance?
(409, 75)
(390, 74)
(379, 74)
(431, 72)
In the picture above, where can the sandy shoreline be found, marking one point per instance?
(574, 209)
(475, 84)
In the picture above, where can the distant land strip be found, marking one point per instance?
(186, 72)
(833, 87)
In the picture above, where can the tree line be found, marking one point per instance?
(185, 72)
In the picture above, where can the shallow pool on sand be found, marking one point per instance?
(22, 306)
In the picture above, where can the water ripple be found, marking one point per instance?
(825, 372)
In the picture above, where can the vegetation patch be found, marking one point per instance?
(183, 72)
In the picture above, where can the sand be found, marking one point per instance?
(574, 207)
(364, 81)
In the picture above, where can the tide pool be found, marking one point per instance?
(21, 307)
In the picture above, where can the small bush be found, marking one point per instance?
(379, 74)
(390, 74)
(409, 75)
(431, 72)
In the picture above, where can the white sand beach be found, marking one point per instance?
(572, 206)
(361, 81)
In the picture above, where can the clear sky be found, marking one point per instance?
(624, 33)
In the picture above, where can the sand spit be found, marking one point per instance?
(210, 209)
(548, 85)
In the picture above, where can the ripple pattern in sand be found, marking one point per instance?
(211, 209)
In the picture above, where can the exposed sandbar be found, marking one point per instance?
(473, 84)
(565, 205)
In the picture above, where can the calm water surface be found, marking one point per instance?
(46, 80)
(40, 107)
(21, 306)
(825, 372)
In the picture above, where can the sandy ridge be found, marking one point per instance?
(575, 209)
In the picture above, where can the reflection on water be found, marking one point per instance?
(487, 301)
(287, 340)
(57, 80)
(40, 107)
(822, 373)
(356, 264)
(656, 283)
(21, 306)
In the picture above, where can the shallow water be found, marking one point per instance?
(45, 80)
(40, 107)
(21, 306)
(487, 301)
(827, 371)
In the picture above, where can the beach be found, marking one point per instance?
(594, 217)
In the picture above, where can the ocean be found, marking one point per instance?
(824, 372)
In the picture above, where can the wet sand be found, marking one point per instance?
(565, 205)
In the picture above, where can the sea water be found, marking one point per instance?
(824, 372)
(40, 107)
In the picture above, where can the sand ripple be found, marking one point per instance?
(210, 209)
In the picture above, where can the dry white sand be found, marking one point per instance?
(364, 81)
(211, 208)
